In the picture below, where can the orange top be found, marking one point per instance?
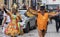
(42, 21)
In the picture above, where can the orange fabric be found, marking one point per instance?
(12, 29)
(42, 21)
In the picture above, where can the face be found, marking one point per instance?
(42, 8)
(42, 11)
(14, 10)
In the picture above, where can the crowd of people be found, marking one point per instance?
(12, 18)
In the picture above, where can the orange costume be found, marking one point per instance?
(42, 21)
(12, 28)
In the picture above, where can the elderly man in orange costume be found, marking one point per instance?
(42, 19)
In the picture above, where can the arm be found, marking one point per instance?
(4, 8)
(51, 14)
(19, 17)
(8, 12)
(32, 11)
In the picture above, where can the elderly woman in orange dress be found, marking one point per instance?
(42, 19)
(12, 28)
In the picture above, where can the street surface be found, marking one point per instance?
(51, 32)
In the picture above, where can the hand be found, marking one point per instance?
(27, 7)
(2, 6)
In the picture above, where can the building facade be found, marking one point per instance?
(30, 3)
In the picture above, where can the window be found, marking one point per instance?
(39, 0)
(52, 7)
(14, 1)
(33, 4)
(23, 5)
(5, 2)
(23, 1)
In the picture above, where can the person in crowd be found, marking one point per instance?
(57, 20)
(1, 14)
(5, 20)
(12, 27)
(42, 20)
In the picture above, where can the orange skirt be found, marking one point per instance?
(12, 29)
(42, 26)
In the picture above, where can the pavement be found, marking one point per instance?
(51, 32)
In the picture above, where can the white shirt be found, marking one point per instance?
(8, 17)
